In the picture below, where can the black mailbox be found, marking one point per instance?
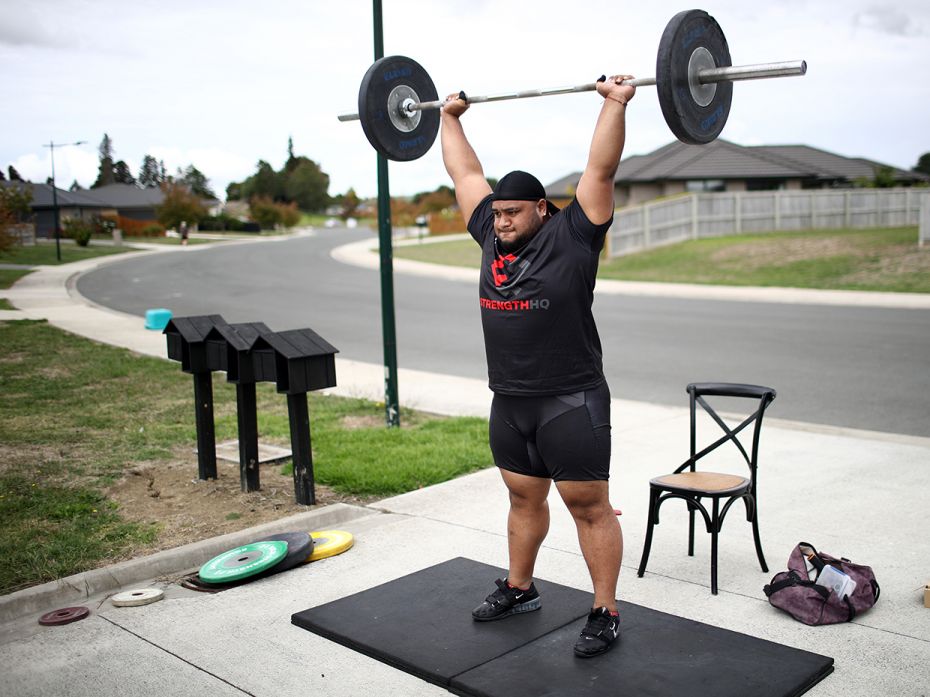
(186, 341)
(303, 361)
(298, 361)
(228, 347)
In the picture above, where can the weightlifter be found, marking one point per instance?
(550, 416)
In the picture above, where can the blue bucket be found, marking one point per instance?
(157, 319)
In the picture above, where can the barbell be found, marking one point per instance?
(399, 108)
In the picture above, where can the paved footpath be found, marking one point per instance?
(856, 494)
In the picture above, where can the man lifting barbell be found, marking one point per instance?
(550, 416)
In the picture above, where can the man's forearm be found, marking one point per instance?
(457, 154)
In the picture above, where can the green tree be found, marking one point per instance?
(923, 164)
(106, 173)
(179, 204)
(150, 175)
(122, 174)
(196, 181)
(14, 175)
(307, 186)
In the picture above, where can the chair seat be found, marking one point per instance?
(711, 483)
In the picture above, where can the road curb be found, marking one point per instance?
(79, 587)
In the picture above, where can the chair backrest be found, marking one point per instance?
(763, 396)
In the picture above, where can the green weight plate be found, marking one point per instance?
(243, 562)
(693, 41)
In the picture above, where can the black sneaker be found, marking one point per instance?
(598, 634)
(506, 601)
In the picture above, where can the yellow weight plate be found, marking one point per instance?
(328, 543)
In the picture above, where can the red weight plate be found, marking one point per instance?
(65, 615)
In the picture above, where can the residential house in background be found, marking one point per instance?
(678, 168)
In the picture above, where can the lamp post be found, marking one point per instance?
(52, 145)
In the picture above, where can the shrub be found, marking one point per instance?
(78, 230)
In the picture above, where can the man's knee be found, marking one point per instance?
(588, 502)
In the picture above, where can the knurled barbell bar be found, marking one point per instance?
(399, 108)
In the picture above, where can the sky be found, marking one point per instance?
(222, 85)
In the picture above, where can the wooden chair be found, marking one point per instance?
(692, 486)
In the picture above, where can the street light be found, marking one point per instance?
(52, 145)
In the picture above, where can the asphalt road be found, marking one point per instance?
(855, 367)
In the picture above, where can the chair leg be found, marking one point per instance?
(690, 530)
(755, 536)
(715, 530)
(653, 505)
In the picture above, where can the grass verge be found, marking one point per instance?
(45, 254)
(76, 416)
(886, 259)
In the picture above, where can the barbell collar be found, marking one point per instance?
(731, 73)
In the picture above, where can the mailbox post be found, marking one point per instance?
(187, 343)
(298, 361)
(228, 346)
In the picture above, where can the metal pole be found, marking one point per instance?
(391, 399)
(51, 147)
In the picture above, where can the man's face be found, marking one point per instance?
(515, 222)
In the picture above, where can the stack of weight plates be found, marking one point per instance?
(267, 556)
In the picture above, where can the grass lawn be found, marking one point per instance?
(76, 416)
(44, 254)
(877, 259)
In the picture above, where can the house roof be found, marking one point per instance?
(722, 159)
(42, 196)
(126, 196)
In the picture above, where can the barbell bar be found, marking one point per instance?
(399, 107)
(732, 73)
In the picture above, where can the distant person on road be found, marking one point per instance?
(182, 228)
(550, 416)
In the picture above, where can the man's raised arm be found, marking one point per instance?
(595, 192)
(460, 159)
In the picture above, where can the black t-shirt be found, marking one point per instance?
(539, 333)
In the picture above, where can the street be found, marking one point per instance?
(855, 367)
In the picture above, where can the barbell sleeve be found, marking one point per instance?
(732, 73)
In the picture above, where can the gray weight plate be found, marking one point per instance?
(299, 549)
(389, 83)
(693, 41)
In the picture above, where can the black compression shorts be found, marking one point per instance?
(565, 438)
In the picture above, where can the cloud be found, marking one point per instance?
(21, 25)
(886, 19)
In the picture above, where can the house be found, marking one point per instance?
(724, 166)
(71, 204)
(128, 200)
(124, 200)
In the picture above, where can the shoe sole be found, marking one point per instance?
(607, 648)
(528, 606)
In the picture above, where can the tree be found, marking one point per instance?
(14, 175)
(307, 186)
(14, 209)
(196, 181)
(179, 204)
(300, 181)
(150, 175)
(2, 176)
(350, 203)
(106, 173)
(923, 164)
(122, 174)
